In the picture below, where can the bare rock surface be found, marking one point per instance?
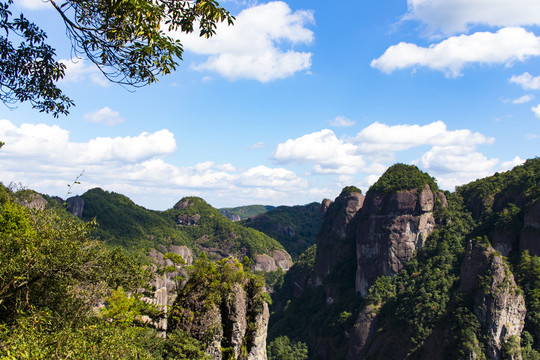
(392, 227)
(498, 303)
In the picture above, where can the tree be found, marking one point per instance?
(125, 39)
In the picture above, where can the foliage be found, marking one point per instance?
(180, 345)
(124, 39)
(48, 261)
(402, 177)
(350, 189)
(122, 222)
(282, 348)
(28, 69)
(51, 276)
(294, 227)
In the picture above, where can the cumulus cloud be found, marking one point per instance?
(79, 70)
(536, 110)
(523, 99)
(341, 121)
(327, 153)
(451, 55)
(255, 47)
(454, 16)
(51, 143)
(42, 157)
(526, 81)
(379, 137)
(455, 165)
(105, 115)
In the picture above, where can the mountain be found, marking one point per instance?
(410, 272)
(191, 223)
(295, 227)
(243, 212)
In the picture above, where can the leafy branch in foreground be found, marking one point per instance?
(128, 40)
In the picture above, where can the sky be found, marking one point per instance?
(294, 102)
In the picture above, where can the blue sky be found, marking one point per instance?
(294, 102)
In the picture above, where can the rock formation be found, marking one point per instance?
(530, 234)
(279, 260)
(498, 303)
(33, 201)
(165, 285)
(224, 309)
(75, 205)
(392, 227)
(336, 243)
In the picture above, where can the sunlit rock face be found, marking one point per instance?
(390, 230)
(498, 303)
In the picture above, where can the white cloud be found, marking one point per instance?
(451, 55)
(43, 158)
(44, 143)
(524, 99)
(275, 178)
(379, 137)
(254, 48)
(527, 81)
(329, 154)
(105, 115)
(536, 110)
(509, 165)
(341, 121)
(79, 70)
(454, 16)
(531, 136)
(456, 165)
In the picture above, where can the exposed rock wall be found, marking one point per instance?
(279, 260)
(230, 320)
(75, 205)
(498, 303)
(165, 285)
(392, 227)
(336, 243)
(530, 234)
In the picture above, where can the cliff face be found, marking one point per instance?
(224, 308)
(498, 303)
(336, 245)
(165, 284)
(392, 227)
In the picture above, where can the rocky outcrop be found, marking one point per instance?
(498, 303)
(185, 219)
(75, 205)
(279, 260)
(165, 285)
(392, 227)
(225, 310)
(336, 241)
(33, 201)
(362, 332)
